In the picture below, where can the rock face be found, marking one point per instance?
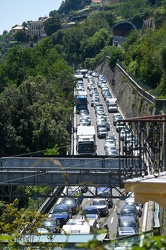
(133, 102)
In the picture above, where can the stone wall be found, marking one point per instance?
(133, 101)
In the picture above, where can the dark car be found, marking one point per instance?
(129, 210)
(131, 201)
(49, 225)
(103, 123)
(128, 221)
(119, 126)
(62, 212)
(102, 205)
(94, 101)
(72, 203)
(102, 132)
(99, 104)
(112, 108)
(77, 191)
(105, 193)
(116, 117)
(89, 209)
(107, 95)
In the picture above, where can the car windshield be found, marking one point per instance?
(90, 211)
(127, 212)
(105, 194)
(127, 224)
(102, 129)
(86, 147)
(68, 201)
(60, 210)
(90, 216)
(50, 223)
(99, 202)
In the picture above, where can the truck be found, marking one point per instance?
(84, 72)
(112, 105)
(81, 100)
(86, 140)
(78, 77)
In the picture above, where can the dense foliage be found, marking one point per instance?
(41, 80)
(52, 24)
(145, 58)
(37, 84)
(36, 100)
(70, 5)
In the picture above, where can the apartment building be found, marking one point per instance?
(37, 27)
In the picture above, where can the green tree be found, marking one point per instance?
(115, 55)
(21, 36)
(52, 24)
(70, 5)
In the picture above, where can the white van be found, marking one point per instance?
(112, 105)
(78, 226)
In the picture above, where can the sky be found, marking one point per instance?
(14, 12)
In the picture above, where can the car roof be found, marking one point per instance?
(61, 205)
(126, 218)
(128, 207)
(99, 199)
(89, 207)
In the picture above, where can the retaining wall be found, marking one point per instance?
(133, 100)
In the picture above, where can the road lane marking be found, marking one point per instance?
(115, 208)
(112, 219)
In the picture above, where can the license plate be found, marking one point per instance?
(75, 231)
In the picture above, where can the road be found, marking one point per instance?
(112, 219)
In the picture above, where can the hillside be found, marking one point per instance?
(36, 83)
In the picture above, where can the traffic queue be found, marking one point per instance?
(69, 216)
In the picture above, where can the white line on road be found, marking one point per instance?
(112, 219)
(115, 208)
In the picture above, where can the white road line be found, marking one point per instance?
(112, 219)
(115, 208)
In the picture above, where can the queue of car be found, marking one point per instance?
(89, 217)
(128, 221)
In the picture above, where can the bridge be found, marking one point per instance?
(69, 170)
(101, 170)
